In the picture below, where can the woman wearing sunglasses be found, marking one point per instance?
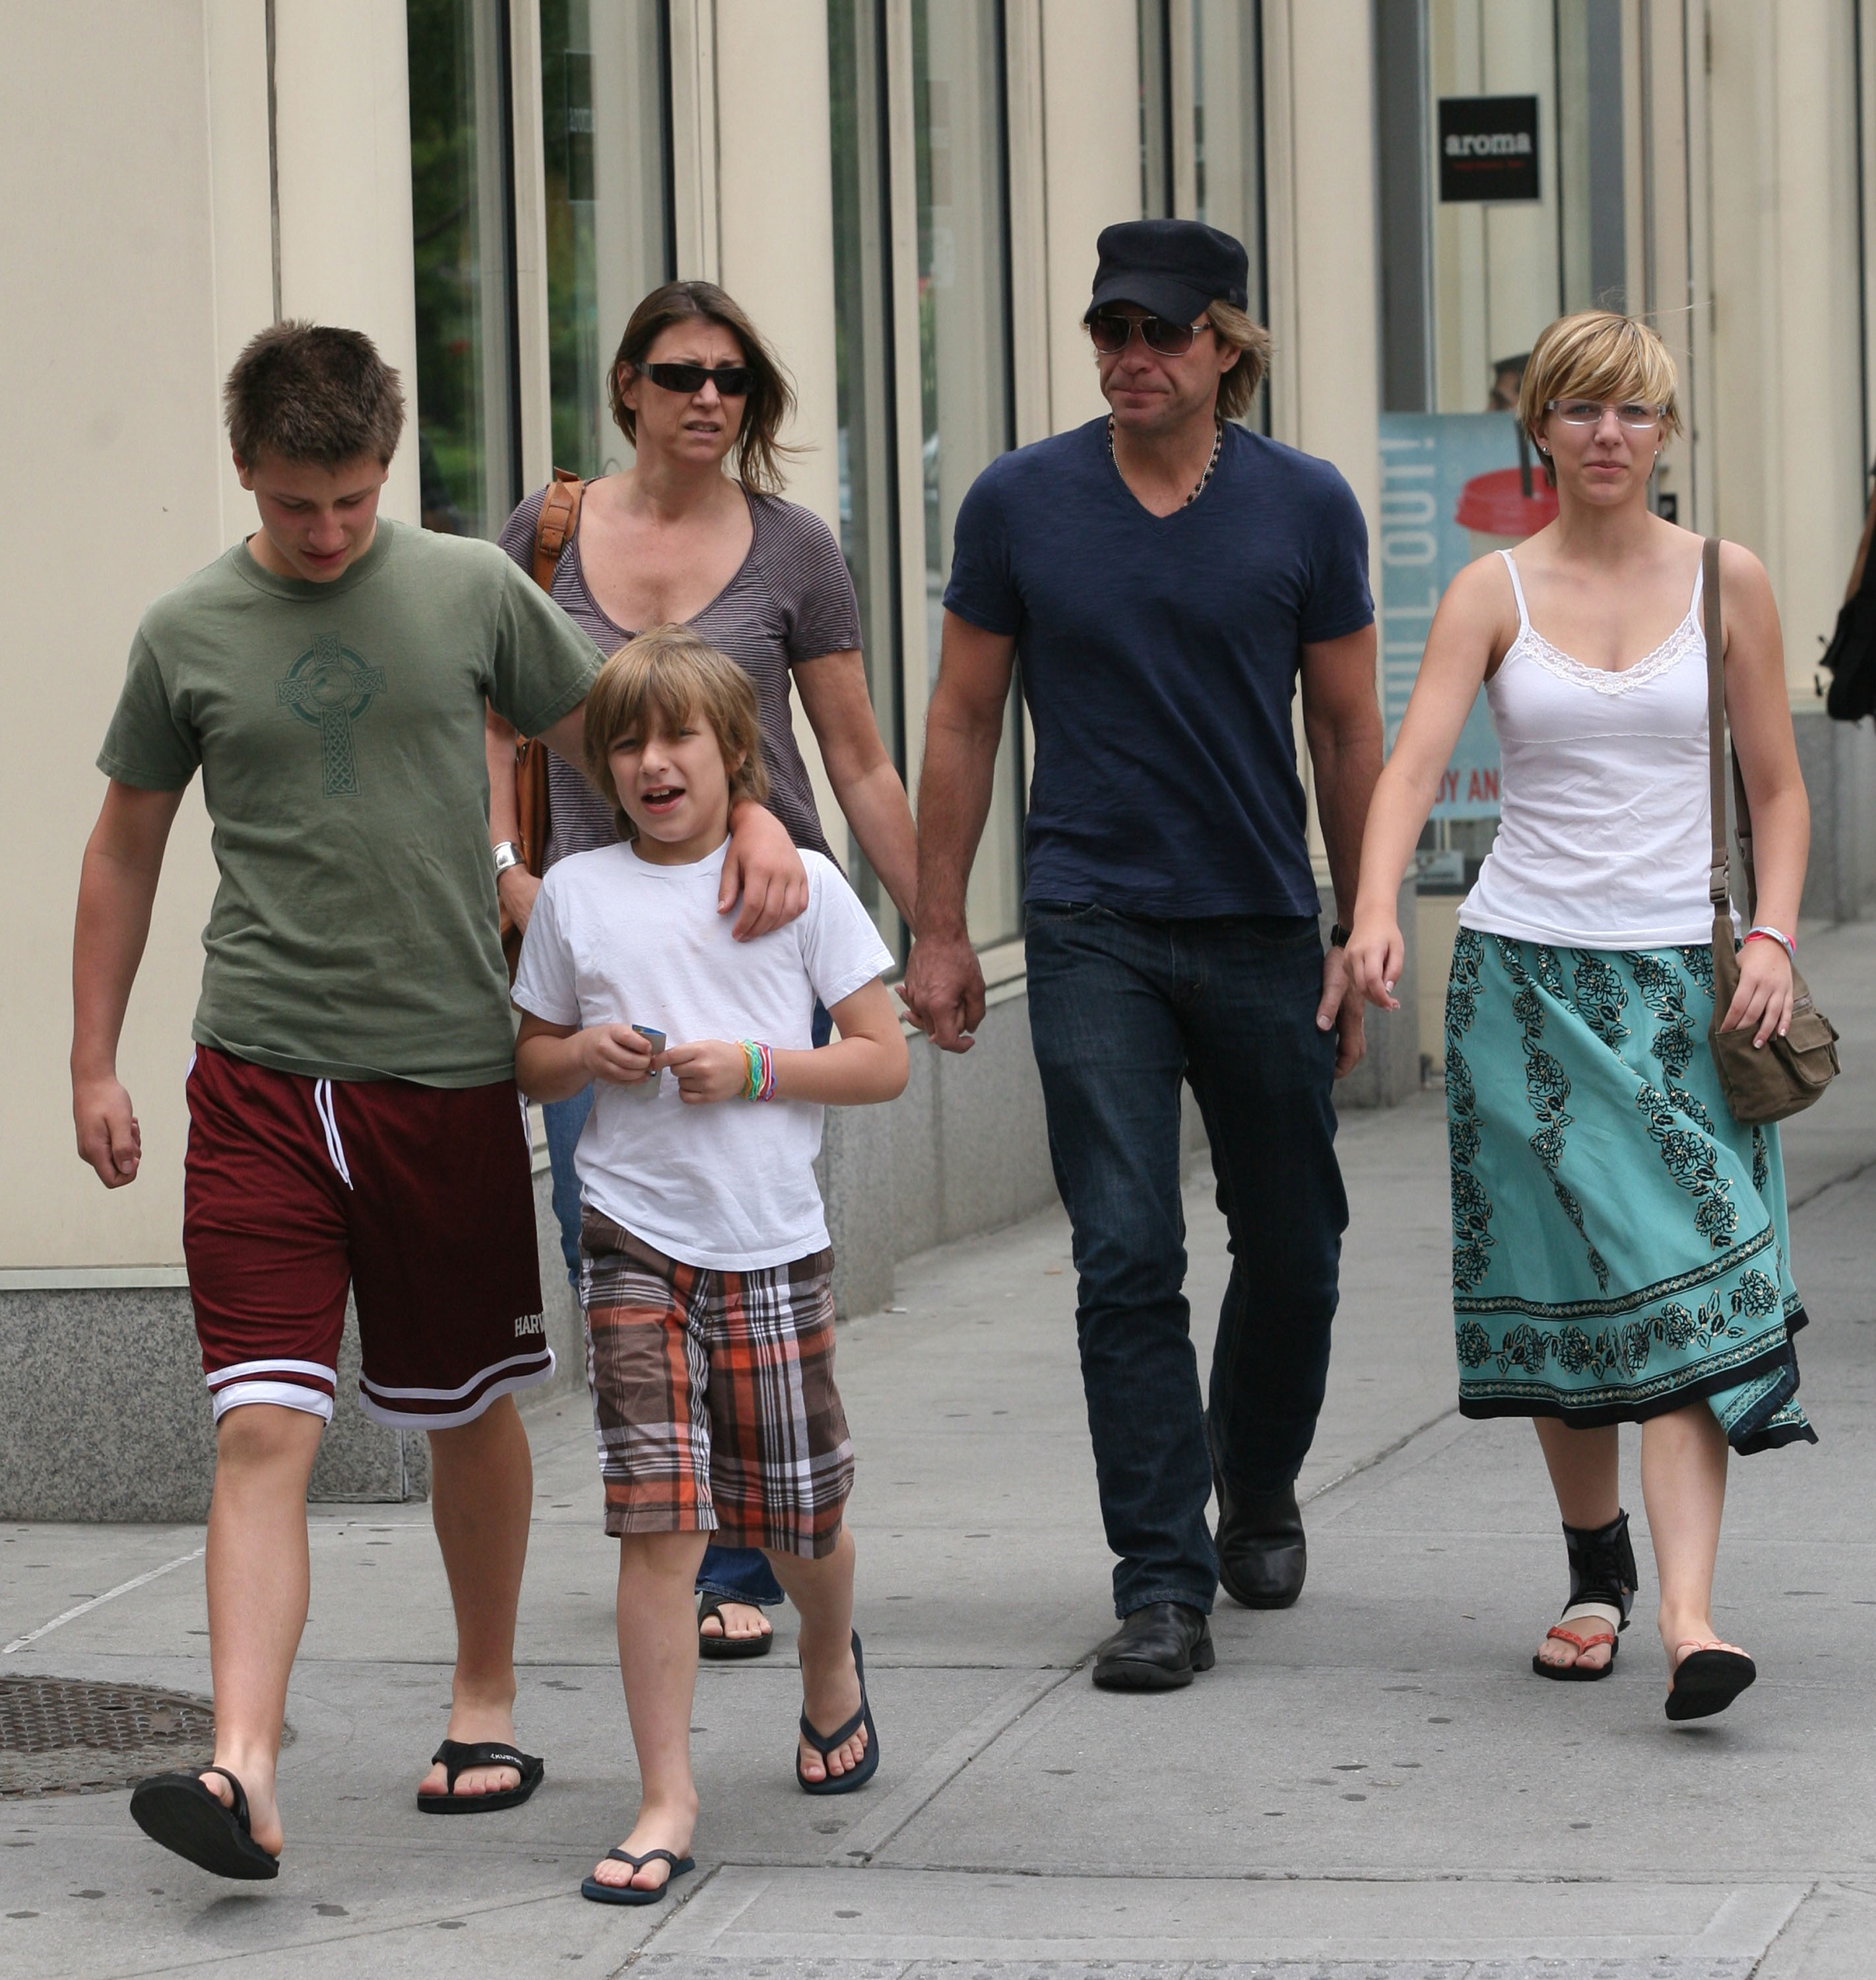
(695, 533)
(1620, 1252)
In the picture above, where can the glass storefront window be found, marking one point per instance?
(965, 387)
(462, 210)
(1201, 126)
(864, 373)
(1489, 195)
(605, 124)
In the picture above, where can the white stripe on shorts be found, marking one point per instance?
(240, 1371)
(542, 1353)
(287, 1395)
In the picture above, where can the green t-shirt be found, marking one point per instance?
(339, 730)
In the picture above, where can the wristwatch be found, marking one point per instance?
(507, 854)
(1338, 936)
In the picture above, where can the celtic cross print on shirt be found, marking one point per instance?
(330, 686)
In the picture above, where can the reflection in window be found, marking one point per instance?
(1201, 126)
(610, 221)
(1227, 137)
(864, 375)
(1493, 284)
(467, 404)
(965, 393)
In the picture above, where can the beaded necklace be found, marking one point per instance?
(1217, 447)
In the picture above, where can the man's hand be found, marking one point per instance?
(615, 1053)
(763, 866)
(1342, 1006)
(944, 990)
(517, 888)
(710, 1069)
(109, 1137)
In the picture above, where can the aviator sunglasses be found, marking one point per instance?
(731, 381)
(1166, 335)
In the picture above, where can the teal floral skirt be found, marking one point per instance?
(1619, 1242)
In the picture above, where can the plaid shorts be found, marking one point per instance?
(713, 1395)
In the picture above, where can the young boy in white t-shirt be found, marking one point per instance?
(706, 1269)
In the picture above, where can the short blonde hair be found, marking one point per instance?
(1237, 390)
(673, 675)
(1598, 354)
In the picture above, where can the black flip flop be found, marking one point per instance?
(459, 1756)
(727, 1649)
(183, 1814)
(825, 1743)
(629, 1894)
(1707, 1681)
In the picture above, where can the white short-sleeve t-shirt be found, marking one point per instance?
(614, 939)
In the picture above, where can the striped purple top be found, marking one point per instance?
(791, 600)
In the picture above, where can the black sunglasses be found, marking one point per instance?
(1166, 335)
(732, 380)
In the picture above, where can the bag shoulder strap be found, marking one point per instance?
(554, 527)
(1719, 881)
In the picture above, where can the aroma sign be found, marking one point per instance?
(1488, 149)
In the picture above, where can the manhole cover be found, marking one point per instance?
(64, 1735)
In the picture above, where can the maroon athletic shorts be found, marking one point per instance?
(419, 1197)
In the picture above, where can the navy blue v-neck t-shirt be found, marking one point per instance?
(1159, 656)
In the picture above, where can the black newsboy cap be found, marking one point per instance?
(1173, 267)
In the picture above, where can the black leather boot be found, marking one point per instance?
(1262, 1556)
(1157, 1648)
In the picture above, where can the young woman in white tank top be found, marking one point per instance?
(1620, 1250)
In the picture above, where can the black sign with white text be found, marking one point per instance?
(1488, 149)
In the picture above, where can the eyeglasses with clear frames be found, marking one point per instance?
(1588, 412)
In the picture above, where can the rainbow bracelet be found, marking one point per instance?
(760, 1059)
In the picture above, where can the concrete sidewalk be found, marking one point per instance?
(1371, 1784)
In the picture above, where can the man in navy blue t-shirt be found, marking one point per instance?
(1168, 577)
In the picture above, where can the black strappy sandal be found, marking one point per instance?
(824, 1743)
(459, 1756)
(629, 1893)
(181, 1812)
(1603, 1580)
(727, 1649)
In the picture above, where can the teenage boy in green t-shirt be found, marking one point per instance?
(352, 1114)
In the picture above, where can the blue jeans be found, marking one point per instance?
(734, 1574)
(1121, 1009)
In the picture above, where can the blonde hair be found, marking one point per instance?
(1237, 390)
(671, 676)
(1598, 354)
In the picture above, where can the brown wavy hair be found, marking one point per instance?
(760, 452)
(673, 676)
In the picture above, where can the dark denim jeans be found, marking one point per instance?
(1121, 1008)
(738, 1574)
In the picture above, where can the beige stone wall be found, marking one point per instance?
(136, 262)
(143, 263)
(1787, 397)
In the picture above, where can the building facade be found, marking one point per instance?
(904, 195)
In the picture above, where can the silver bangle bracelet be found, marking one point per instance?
(1778, 935)
(507, 854)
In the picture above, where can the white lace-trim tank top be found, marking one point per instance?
(1603, 839)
